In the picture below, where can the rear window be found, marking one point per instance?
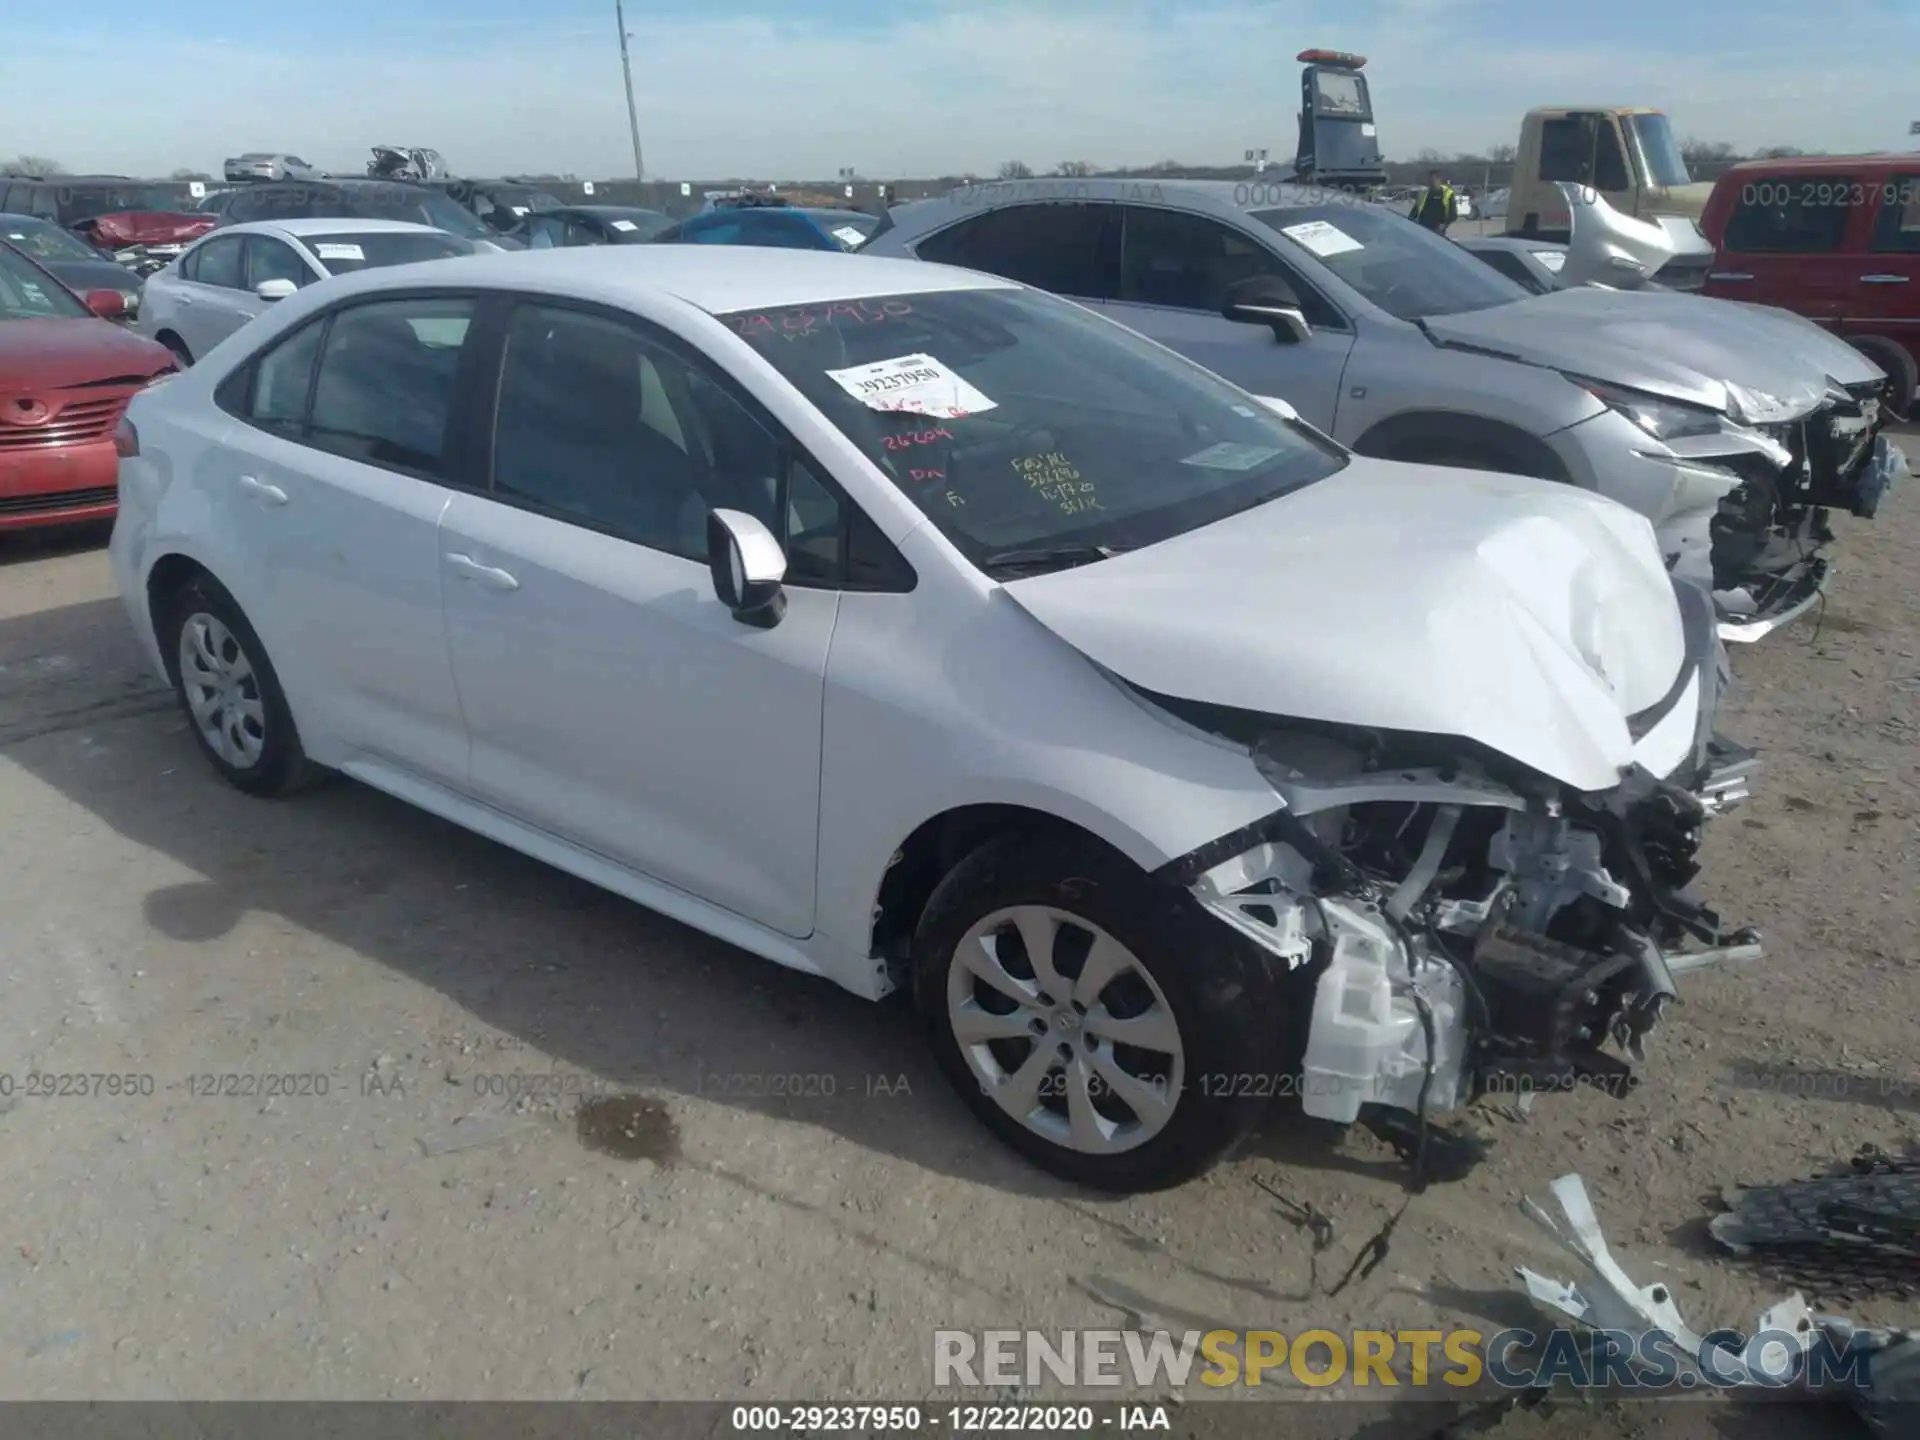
(348, 251)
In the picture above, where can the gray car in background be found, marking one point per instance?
(271, 165)
(1733, 428)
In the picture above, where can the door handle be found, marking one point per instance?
(468, 568)
(1883, 279)
(272, 494)
(1729, 275)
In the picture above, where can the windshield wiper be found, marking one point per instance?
(1049, 557)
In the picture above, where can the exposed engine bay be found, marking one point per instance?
(1469, 927)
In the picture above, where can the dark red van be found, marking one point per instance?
(1834, 238)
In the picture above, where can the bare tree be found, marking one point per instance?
(1077, 169)
(1778, 152)
(32, 165)
(190, 175)
(1016, 170)
(1501, 154)
(1693, 151)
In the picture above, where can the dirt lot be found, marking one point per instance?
(353, 1240)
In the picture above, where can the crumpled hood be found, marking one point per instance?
(1688, 347)
(1531, 617)
(147, 227)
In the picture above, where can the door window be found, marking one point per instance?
(600, 425)
(270, 259)
(1790, 217)
(386, 382)
(218, 263)
(1898, 229)
(272, 393)
(1069, 249)
(1170, 257)
(1566, 145)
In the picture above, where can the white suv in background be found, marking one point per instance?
(235, 273)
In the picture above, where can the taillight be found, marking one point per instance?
(126, 439)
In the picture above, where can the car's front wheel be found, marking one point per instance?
(235, 707)
(1103, 1026)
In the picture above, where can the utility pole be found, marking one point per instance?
(626, 68)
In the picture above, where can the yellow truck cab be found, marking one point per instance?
(1626, 152)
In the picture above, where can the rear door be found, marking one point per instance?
(1785, 244)
(1886, 295)
(1175, 270)
(210, 299)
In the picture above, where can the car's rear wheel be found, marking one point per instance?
(1103, 1026)
(234, 704)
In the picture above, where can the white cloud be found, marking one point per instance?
(960, 89)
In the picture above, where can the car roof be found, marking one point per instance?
(327, 225)
(1220, 197)
(1885, 160)
(612, 210)
(719, 279)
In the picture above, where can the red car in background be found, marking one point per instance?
(66, 375)
(1835, 238)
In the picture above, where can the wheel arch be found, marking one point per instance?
(1517, 451)
(936, 846)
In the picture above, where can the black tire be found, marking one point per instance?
(1892, 357)
(1228, 999)
(281, 767)
(179, 348)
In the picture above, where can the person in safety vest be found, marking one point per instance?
(1436, 208)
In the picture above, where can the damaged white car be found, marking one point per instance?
(918, 630)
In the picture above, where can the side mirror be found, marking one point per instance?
(747, 565)
(275, 289)
(107, 304)
(1268, 300)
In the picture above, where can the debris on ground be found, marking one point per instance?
(1848, 1234)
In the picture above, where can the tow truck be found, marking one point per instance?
(1339, 144)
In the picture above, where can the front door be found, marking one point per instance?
(611, 699)
(1175, 271)
(1885, 298)
(210, 299)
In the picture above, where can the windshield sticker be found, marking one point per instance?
(912, 385)
(1056, 478)
(339, 251)
(519, 209)
(1322, 238)
(1230, 455)
(16, 236)
(625, 225)
(1552, 260)
(847, 235)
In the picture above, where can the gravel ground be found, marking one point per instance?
(645, 1217)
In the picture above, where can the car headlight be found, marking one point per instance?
(1660, 417)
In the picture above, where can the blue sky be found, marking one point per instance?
(755, 87)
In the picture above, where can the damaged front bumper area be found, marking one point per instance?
(1783, 481)
(1469, 932)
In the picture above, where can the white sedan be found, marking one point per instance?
(234, 274)
(919, 630)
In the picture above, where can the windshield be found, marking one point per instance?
(1340, 94)
(44, 241)
(852, 228)
(421, 206)
(27, 293)
(348, 251)
(1017, 421)
(1404, 268)
(88, 202)
(1665, 164)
